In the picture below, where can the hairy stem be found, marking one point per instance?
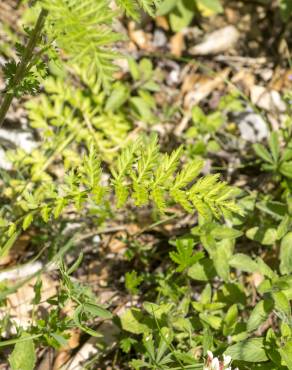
(22, 66)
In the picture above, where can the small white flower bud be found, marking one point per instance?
(215, 365)
(226, 360)
(210, 355)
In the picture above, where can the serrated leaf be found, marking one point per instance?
(132, 281)
(184, 256)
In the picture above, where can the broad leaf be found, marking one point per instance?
(131, 321)
(243, 262)
(286, 254)
(209, 7)
(259, 314)
(250, 350)
(23, 356)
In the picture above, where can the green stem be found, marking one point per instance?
(22, 66)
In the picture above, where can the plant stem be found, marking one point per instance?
(22, 66)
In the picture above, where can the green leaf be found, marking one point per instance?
(166, 6)
(203, 270)
(127, 343)
(143, 109)
(286, 169)
(286, 254)
(60, 339)
(138, 364)
(282, 303)
(220, 260)
(264, 269)
(286, 354)
(265, 236)
(206, 294)
(157, 310)
(224, 232)
(182, 15)
(283, 227)
(27, 221)
(97, 310)
(184, 256)
(274, 146)
(165, 340)
(243, 262)
(134, 68)
(250, 350)
(286, 9)
(132, 281)
(131, 321)
(9, 243)
(263, 153)
(230, 319)
(23, 356)
(212, 320)
(118, 97)
(209, 7)
(259, 314)
(77, 317)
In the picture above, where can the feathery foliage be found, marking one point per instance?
(83, 30)
(131, 7)
(140, 172)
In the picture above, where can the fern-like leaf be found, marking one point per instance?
(130, 7)
(143, 175)
(91, 175)
(188, 173)
(167, 167)
(210, 196)
(149, 6)
(121, 170)
(83, 30)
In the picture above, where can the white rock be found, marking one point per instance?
(270, 101)
(217, 42)
(252, 127)
(4, 163)
(23, 140)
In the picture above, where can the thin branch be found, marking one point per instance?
(22, 66)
